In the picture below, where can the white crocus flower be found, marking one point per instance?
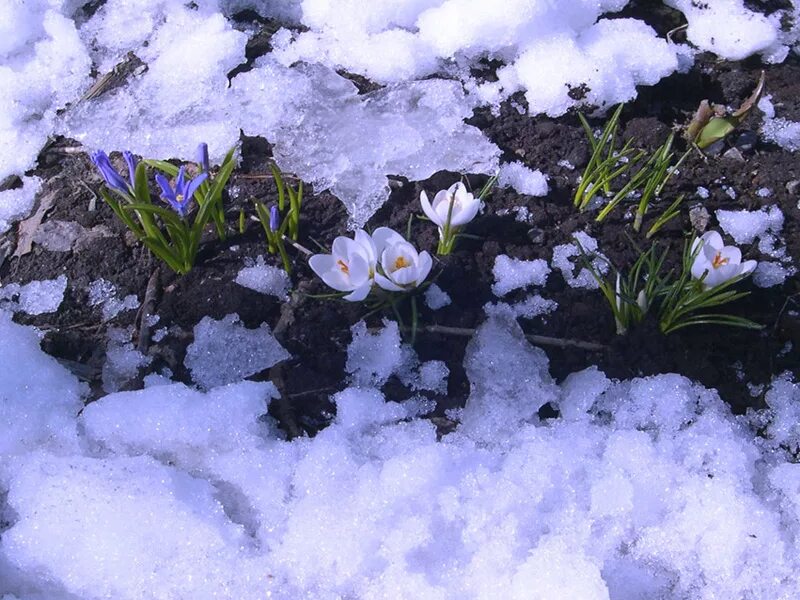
(719, 262)
(403, 268)
(451, 208)
(350, 267)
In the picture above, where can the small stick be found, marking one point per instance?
(297, 246)
(542, 340)
(148, 306)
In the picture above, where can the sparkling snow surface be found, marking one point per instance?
(647, 488)
(179, 90)
(640, 489)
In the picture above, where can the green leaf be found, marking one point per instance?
(715, 130)
(162, 165)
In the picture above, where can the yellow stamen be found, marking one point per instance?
(400, 262)
(719, 261)
(343, 266)
(179, 198)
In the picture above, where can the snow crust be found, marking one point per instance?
(522, 179)
(512, 273)
(180, 77)
(17, 203)
(225, 351)
(647, 488)
(34, 298)
(265, 279)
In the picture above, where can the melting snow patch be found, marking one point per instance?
(123, 360)
(373, 357)
(765, 225)
(34, 298)
(102, 292)
(522, 179)
(16, 204)
(567, 256)
(265, 279)
(512, 274)
(225, 351)
(436, 297)
(645, 488)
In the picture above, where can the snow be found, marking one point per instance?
(764, 225)
(567, 256)
(104, 293)
(642, 488)
(745, 32)
(34, 298)
(522, 179)
(123, 360)
(436, 297)
(38, 398)
(265, 279)
(780, 131)
(43, 66)
(744, 226)
(512, 273)
(17, 203)
(534, 306)
(373, 357)
(225, 351)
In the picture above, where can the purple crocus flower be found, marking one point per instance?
(114, 180)
(130, 159)
(202, 157)
(274, 218)
(179, 197)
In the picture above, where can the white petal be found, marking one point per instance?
(428, 209)
(387, 284)
(467, 212)
(383, 237)
(748, 267)
(713, 239)
(424, 265)
(700, 266)
(321, 263)
(732, 253)
(364, 241)
(405, 276)
(337, 280)
(359, 293)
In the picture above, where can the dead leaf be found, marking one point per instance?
(28, 227)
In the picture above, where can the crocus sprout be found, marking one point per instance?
(180, 196)
(113, 179)
(350, 267)
(451, 209)
(403, 268)
(715, 263)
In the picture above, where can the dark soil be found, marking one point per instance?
(318, 336)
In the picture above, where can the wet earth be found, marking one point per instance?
(316, 332)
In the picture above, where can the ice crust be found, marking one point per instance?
(647, 488)
(34, 298)
(512, 273)
(225, 351)
(568, 257)
(321, 128)
(17, 203)
(265, 279)
(522, 179)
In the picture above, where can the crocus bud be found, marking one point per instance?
(202, 157)
(274, 218)
(113, 179)
(131, 161)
